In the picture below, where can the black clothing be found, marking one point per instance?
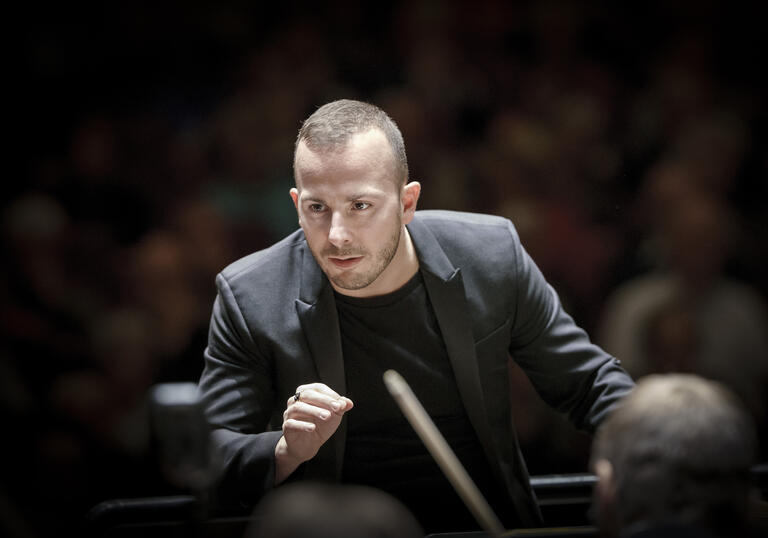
(399, 331)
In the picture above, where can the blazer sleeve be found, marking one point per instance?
(569, 372)
(238, 395)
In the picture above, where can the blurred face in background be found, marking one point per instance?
(696, 237)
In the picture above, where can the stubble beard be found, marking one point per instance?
(382, 260)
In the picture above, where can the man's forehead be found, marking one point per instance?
(365, 154)
(363, 146)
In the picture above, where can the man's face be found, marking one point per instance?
(350, 207)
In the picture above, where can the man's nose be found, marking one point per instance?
(339, 234)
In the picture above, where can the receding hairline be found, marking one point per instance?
(338, 149)
(331, 127)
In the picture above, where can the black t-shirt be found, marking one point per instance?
(399, 331)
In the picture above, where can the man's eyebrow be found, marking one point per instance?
(363, 195)
(311, 198)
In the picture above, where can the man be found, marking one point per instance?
(674, 460)
(369, 284)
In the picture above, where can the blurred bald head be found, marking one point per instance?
(314, 510)
(678, 449)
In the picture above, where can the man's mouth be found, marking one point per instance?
(345, 263)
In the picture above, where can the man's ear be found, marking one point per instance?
(605, 498)
(294, 192)
(605, 489)
(409, 197)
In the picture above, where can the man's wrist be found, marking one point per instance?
(285, 463)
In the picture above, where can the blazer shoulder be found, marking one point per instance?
(472, 229)
(442, 218)
(267, 263)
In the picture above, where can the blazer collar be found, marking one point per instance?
(445, 288)
(432, 258)
(313, 280)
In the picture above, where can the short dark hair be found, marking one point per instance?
(681, 448)
(331, 126)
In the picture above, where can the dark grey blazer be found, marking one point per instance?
(274, 327)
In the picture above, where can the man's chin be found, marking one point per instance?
(349, 281)
(349, 284)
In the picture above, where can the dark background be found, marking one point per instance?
(155, 145)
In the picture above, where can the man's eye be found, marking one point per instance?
(316, 208)
(359, 206)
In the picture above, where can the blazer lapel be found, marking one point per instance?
(316, 308)
(446, 293)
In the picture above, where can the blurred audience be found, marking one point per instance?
(687, 315)
(674, 461)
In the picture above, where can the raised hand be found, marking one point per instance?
(309, 420)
